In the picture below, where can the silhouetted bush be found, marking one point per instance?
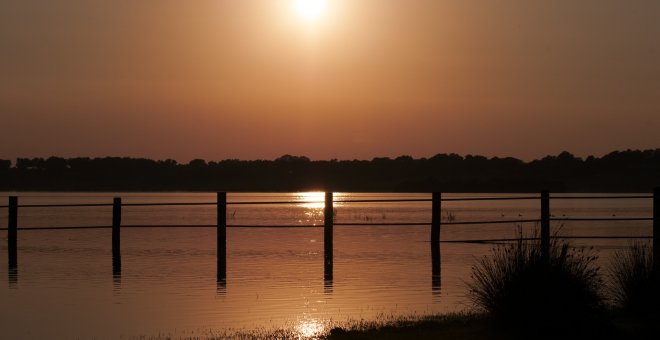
(633, 283)
(520, 288)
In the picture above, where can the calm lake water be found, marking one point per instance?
(64, 286)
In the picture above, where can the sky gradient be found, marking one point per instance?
(249, 79)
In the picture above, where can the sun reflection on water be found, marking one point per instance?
(312, 199)
(310, 329)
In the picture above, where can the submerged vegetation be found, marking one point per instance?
(448, 216)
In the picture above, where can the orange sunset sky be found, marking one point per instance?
(255, 79)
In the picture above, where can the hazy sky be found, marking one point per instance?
(251, 79)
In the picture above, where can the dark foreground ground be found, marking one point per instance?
(478, 326)
(461, 326)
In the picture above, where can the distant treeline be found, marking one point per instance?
(619, 171)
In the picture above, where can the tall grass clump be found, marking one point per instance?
(520, 288)
(633, 283)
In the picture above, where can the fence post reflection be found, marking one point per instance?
(116, 269)
(435, 268)
(12, 276)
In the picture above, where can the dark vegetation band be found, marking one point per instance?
(619, 171)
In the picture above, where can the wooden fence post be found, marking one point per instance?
(656, 231)
(116, 239)
(436, 220)
(545, 224)
(12, 232)
(222, 235)
(328, 222)
(116, 224)
(435, 217)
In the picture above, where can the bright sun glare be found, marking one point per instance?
(312, 199)
(309, 10)
(310, 328)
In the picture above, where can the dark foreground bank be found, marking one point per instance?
(482, 326)
(461, 326)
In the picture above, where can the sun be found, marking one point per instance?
(310, 10)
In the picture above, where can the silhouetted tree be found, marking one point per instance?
(5, 165)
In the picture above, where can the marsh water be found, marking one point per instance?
(64, 286)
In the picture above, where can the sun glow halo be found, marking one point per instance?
(310, 10)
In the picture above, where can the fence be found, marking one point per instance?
(435, 224)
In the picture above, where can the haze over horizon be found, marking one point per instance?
(254, 79)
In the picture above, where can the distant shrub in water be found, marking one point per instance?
(518, 287)
(633, 285)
